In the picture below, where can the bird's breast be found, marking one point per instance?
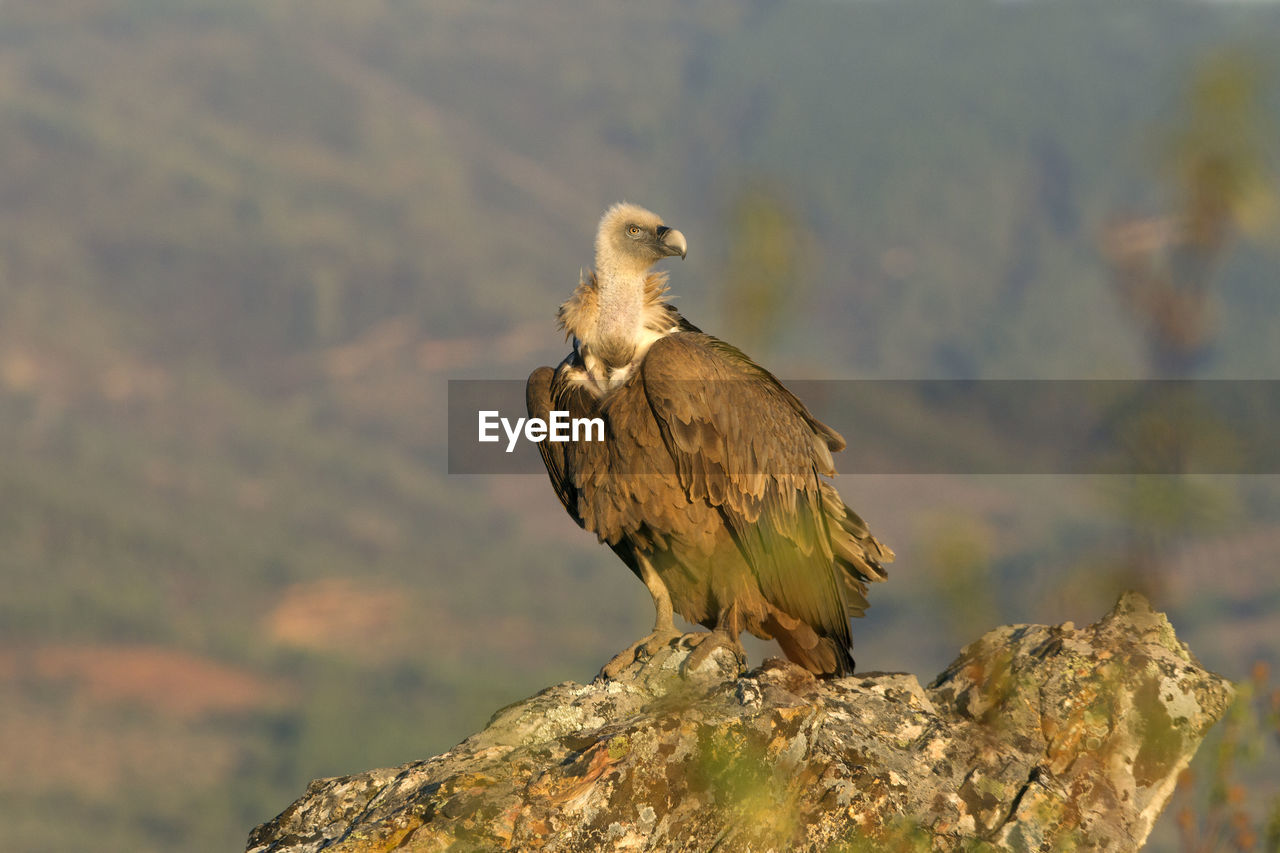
(601, 373)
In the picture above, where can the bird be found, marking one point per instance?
(711, 483)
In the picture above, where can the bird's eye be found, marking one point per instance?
(634, 230)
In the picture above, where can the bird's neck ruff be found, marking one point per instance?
(614, 320)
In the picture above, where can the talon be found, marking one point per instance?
(643, 649)
(703, 645)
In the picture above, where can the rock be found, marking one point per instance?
(1035, 738)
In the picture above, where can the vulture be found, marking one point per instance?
(709, 483)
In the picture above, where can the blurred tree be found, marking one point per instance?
(957, 549)
(1218, 158)
(764, 268)
(1163, 266)
(1216, 163)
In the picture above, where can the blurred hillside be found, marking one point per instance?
(243, 247)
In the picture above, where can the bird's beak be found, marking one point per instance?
(671, 242)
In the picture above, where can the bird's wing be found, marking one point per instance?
(746, 445)
(538, 399)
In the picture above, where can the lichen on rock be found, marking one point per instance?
(1034, 738)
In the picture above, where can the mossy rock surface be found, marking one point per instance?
(1035, 738)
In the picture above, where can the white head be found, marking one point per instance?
(631, 239)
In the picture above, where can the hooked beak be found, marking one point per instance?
(671, 242)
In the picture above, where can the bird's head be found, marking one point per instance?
(631, 238)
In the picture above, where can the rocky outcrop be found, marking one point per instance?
(1035, 738)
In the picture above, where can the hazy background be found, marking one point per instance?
(244, 245)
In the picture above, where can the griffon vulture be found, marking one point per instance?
(709, 483)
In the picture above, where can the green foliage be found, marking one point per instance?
(763, 270)
(1220, 159)
(750, 788)
(904, 837)
(1213, 805)
(957, 550)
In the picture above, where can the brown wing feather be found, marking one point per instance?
(547, 390)
(537, 394)
(745, 444)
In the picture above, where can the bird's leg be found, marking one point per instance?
(664, 626)
(664, 618)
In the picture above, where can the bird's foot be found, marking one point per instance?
(705, 647)
(641, 650)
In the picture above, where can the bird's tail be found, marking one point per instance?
(860, 556)
(803, 645)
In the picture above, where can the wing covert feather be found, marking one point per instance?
(746, 445)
